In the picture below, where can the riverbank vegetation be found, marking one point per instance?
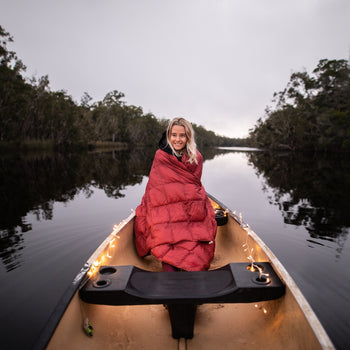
(312, 113)
(31, 115)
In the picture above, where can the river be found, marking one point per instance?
(56, 209)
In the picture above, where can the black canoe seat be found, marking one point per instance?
(181, 291)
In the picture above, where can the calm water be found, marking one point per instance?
(55, 210)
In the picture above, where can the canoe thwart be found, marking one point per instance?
(182, 291)
(232, 283)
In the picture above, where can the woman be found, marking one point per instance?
(175, 221)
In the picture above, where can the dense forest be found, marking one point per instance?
(32, 114)
(312, 113)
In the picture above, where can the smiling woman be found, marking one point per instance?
(180, 138)
(175, 221)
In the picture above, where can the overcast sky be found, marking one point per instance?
(215, 62)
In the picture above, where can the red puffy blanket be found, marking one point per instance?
(175, 221)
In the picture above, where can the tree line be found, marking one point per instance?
(29, 110)
(312, 113)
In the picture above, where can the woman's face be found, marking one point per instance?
(178, 138)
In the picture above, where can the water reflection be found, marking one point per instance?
(33, 183)
(310, 191)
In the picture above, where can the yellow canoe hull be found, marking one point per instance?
(284, 323)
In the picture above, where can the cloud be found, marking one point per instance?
(217, 63)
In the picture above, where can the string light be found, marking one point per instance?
(96, 264)
(263, 277)
(101, 259)
(253, 266)
(111, 245)
(264, 310)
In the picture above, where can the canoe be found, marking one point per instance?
(247, 299)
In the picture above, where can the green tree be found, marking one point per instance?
(29, 110)
(311, 113)
(13, 89)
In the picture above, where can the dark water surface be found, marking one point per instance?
(56, 209)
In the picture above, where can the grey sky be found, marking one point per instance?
(215, 62)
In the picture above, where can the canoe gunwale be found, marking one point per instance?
(59, 310)
(79, 280)
(284, 275)
(306, 308)
(83, 275)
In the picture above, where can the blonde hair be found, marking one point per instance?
(191, 147)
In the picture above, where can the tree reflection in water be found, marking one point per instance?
(33, 183)
(309, 191)
(312, 191)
